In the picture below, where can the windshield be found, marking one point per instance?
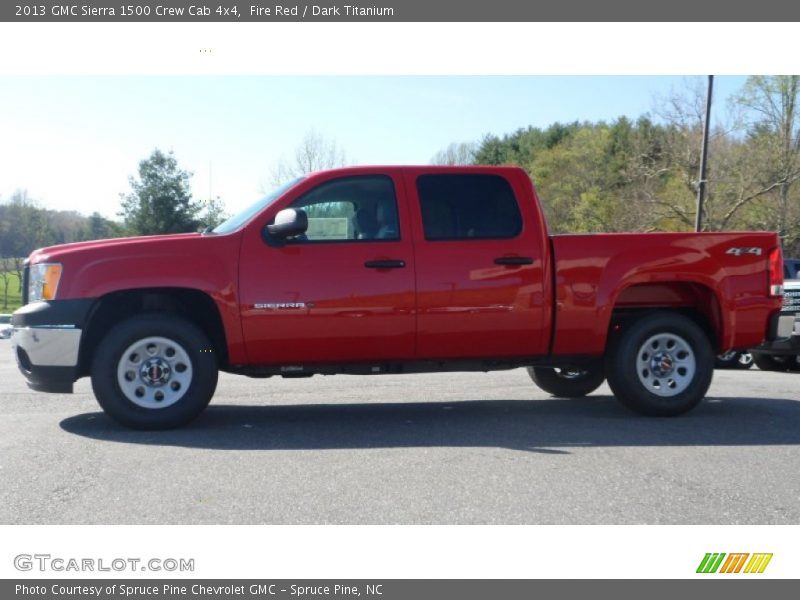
(237, 221)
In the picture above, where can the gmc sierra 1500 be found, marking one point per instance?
(370, 270)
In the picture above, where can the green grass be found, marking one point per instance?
(14, 294)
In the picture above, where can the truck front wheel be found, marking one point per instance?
(661, 365)
(154, 371)
(567, 382)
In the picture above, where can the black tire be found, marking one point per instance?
(734, 360)
(745, 361)
(198, 376)
(770, 362)
(729, 360)
(567, 382)
(653, 378)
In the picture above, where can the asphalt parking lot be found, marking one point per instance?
(443, 448)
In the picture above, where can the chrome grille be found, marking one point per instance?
(791, 301)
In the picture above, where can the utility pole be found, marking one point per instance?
(701, 184)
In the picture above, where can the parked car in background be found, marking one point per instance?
(791, 268)
(5, 327)
(783, 354)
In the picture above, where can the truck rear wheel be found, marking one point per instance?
(154, 371)
(567, 382)
(662, 365)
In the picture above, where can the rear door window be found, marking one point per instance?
(468, 206)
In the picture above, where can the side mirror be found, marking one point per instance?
(288, 223)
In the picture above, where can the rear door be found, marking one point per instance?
(480, 271)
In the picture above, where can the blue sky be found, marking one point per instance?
(73, 141)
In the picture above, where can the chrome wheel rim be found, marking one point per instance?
(666, 364)
(154, 372)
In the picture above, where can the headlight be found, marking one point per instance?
(43, 281)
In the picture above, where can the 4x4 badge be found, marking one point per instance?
(741, 251)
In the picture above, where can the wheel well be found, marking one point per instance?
(194, 305)
(693, 300)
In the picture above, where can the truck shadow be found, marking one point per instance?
(546, 426)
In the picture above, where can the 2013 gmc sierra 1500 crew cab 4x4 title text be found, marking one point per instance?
(370, 270)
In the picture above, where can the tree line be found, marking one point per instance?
(624, 175)
(641, 175)
(159, 201)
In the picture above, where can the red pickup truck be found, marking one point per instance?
(370, 270)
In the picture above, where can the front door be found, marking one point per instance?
(341, 293)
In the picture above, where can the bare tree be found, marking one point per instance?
(732, 183)
(5, 278)
(19, 266)
(315, 153)
(772, 124)
(457, 153)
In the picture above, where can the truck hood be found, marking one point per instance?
(187, 260)
(58, 253)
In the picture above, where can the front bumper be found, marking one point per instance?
(46, 343)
